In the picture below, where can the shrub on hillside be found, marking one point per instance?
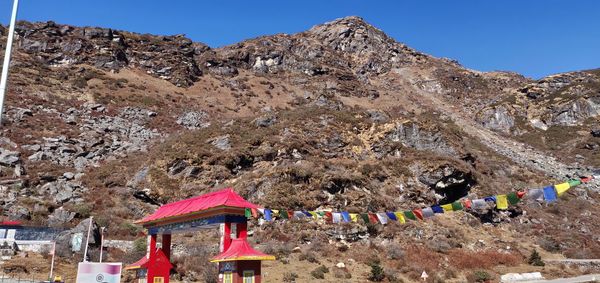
(319, 272)
(290, 277)
(377, 274)
(480, 276)
(535, 259)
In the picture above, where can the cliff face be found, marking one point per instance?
(341, 116)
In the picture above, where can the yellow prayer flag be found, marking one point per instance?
(314, 214)
(562, 188)
(354, 217)
(275, 212)
(400, 216)
(447, 207)
(501, 202)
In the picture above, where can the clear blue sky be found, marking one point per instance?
(532, 37)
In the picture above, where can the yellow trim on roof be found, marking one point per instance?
(133, 267)
(267, 257)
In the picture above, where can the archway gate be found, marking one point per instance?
(222, 209)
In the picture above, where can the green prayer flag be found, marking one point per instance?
(410, 215)
(283, 214)
(321, 213)
(457, 206)
(365, 217)
(574, 182)
(513, 198)
(248, 213)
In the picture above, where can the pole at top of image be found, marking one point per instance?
(7, 53)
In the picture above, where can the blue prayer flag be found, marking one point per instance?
(492, 198)
(307, 213)
(550, 194)
(437, 209)
(346, 216)
(268, 215)
(391, 216)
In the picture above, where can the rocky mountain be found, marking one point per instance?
(111, 123)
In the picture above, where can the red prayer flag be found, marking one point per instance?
(520, 194)
(328, 217)
(254, 212)
(586, 179)
(373, 218)
(467, 203)
(418, 213)
(290, 214)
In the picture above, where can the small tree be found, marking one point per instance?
(377, 273)
(535, 259)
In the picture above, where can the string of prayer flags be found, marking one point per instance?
(501, 202)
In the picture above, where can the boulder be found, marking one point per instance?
(194, 120)
(9, 158)
(595, 133)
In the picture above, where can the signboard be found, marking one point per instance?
(95, 272)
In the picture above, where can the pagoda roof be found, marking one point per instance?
(223, 198)
(158, 257)
(241, 250)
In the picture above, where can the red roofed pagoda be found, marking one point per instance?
(238, 262)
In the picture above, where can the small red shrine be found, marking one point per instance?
(240, 263)
(224, 209)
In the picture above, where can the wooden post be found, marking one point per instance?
(227, 236)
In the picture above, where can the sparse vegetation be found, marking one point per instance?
(535, 259)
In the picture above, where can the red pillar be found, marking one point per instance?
(166, 245)
(151, 245)
(227, 236)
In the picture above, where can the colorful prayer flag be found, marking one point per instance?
(479, 204)
(536, 194)
(314, 215)
(467, 203)
(490, 199)
(268, 215)
(365, 217)
(345, 216)
(562, 188)
(354, 217)
(457, 206)
(410, 215)
(574, 182)
(550, 194)
(513, 198)
(428, 212)
(382, 217)
(400, 216)
(373, 218)
(392, 216)
(447, 207)
(248, 213)
(501, 202)
(437, 209)
(337, 217)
